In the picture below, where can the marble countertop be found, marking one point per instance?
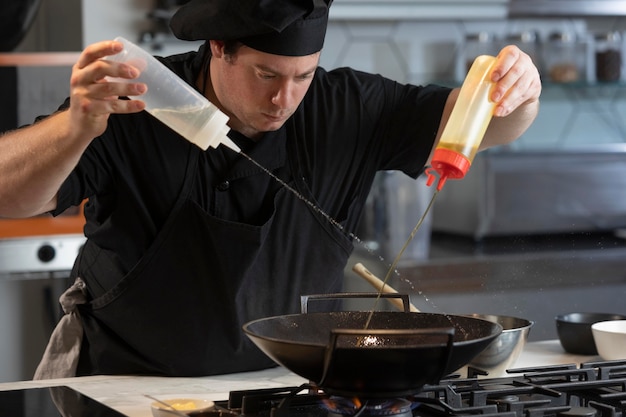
(126, 393)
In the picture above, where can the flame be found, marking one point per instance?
(342, 405)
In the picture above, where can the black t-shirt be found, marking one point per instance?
(349, 126)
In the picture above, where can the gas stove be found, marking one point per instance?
(593, 389)
(590, 389)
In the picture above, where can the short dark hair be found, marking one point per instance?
(232, 46)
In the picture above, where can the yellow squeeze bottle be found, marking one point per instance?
(466, 127)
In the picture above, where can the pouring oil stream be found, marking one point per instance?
(334, 222)
(460, 138)
(301, 197)
(397, 259)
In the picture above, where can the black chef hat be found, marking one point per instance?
(281, 27)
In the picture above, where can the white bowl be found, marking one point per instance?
(610, 339)
(184, 405)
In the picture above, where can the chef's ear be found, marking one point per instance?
(217, 48)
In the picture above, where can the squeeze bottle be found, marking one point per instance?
(467, 124)
(174, 102)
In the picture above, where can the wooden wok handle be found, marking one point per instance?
(377, 283)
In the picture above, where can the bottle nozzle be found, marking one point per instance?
(448, 164)
(229, 143)
(431, 178)
(215, 133)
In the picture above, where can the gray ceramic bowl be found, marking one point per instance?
(503, 352)
(574, 331)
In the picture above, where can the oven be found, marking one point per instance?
(36, 257)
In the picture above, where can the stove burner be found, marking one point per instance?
(501, 399)
(341, 406)
(579, 412)
(504, 400)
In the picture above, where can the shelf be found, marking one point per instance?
(418, 9)
(584, 84)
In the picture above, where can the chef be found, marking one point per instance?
(184, 246)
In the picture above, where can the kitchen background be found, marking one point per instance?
(534, 230)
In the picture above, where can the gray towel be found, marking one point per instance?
(60, 358)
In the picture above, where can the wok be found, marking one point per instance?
(395, 356)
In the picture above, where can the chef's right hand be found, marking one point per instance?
(92, 97)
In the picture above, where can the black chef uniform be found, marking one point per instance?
(185, 246)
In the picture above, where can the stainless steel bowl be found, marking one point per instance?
(503, 352)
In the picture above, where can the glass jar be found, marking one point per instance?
(564, 58)
(476, 44)
(608, 56)
(527, 41)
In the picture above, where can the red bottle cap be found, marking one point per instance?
(448, 164)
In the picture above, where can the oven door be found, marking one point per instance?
(41, 243)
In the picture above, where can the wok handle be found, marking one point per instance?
(443, 334)
(304, 299)
(380, 285)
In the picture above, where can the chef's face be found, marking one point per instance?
(257, 90)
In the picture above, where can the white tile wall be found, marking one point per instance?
(416, 51)
(422, 51)
(426, 51)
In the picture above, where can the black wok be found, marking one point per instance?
(397, 354)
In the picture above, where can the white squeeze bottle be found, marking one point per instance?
(174, 102)
(466, 127)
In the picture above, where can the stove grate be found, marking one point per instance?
(593, 389)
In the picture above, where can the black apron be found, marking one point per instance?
(180, 310)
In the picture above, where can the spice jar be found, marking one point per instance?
(476, 44)
(608, 54)
(564, 58)
(527, 41)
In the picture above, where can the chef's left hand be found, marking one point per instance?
(517, 81)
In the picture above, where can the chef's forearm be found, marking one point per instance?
(504, 130)
(34, 162)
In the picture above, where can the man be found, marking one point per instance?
(185, 246)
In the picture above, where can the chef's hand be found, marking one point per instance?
(516, 81)
(92, 97)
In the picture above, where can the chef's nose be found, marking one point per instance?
(283, 95)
